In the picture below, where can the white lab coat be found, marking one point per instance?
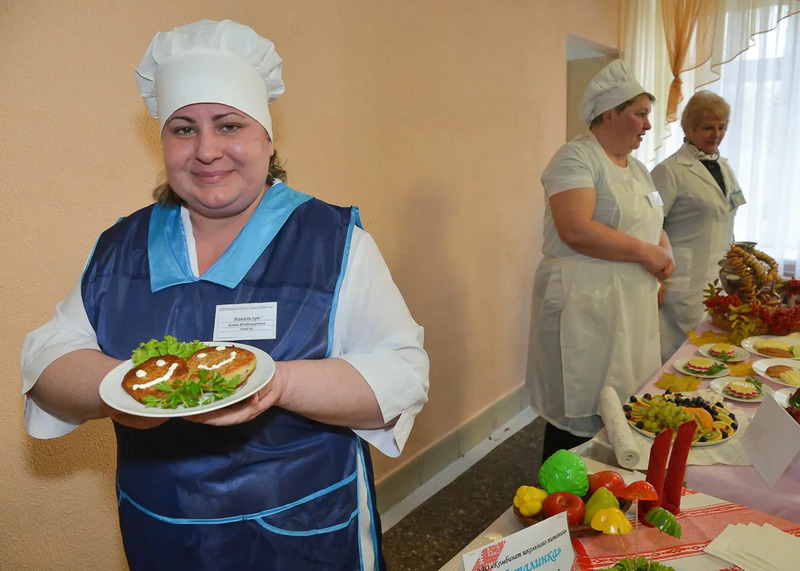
(699, 223)
(594, 322)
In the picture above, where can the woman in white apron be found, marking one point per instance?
(701, 196)
(595, 309)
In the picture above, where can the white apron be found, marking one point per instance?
(595, 321)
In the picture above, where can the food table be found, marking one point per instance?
(702, 517)
(737, 484)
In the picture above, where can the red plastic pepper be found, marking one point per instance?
(673, 485)
(657, 468)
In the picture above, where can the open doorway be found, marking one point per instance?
(584, 60)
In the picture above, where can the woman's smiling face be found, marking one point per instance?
(708, 134)
(216, 158)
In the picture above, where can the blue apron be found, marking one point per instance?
(280, 491)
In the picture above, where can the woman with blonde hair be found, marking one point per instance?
(701, 196)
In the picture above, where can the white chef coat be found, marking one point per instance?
(373, 331)
(698, 218)
(594, 322)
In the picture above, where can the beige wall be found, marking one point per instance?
(436, 118)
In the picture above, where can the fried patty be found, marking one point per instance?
(776, 370)
(167, 368)
(228, 361)
(776, 352)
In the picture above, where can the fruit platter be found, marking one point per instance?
(650, 414)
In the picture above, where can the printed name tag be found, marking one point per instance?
(244, 321)
(655, 199)
(737, 198)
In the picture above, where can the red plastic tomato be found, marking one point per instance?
(558, 502)
(609, 479)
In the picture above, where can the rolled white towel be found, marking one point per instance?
(619, 431)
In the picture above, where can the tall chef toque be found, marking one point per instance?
(614, 84)
(210, 62)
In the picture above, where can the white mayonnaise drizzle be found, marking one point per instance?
(218, 365)
(166, 377)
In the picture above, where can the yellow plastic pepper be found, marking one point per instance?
(528, 500)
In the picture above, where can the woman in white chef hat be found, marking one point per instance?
(283, 479)
(595, 310)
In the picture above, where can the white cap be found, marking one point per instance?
(614, 84)
(210, 62)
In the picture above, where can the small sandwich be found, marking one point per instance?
(791, 377)
(742, 389)
(774, 348)
(723, 350)
(141, 381)
(775, 371)
(226, 360)
(700, 365)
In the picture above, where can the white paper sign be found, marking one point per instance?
(545, 545)
(772, 440)
(245, 321)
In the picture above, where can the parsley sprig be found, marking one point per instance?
(190, 393)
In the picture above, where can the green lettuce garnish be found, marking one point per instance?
(168, 346)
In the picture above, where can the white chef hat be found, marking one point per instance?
(614, 84)
(210, 62)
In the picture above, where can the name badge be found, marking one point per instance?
(655, 199)
(245, 321)
(737, 198)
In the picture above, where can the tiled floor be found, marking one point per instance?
(440, 527)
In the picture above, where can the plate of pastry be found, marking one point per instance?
(724, 352)
(702, 367)
(743, 389)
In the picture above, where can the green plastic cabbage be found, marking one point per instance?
(564, 471)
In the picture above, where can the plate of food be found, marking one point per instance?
(783, 371)
(773, 346)
(650, 414)
(743, 389)
(702, 367)
(782, 396)
(724, 352)
(170, 378)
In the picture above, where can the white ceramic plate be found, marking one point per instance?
(782, 396)
(741, 354)
(760, 368)
(680, 366)
(114, 395)
(717, 385)
(750, 343)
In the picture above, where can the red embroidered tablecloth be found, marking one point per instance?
(702, 519)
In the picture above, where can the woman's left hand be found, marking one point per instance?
(249, 408)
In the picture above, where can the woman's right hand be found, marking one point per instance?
(658, 261)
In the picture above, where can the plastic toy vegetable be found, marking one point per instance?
(564, 471)
(639, 490)
(665, 522)
(528, 500)
(612, 521)
(602, 498)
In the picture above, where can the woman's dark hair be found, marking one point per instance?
(163, 193)
(620, 108)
